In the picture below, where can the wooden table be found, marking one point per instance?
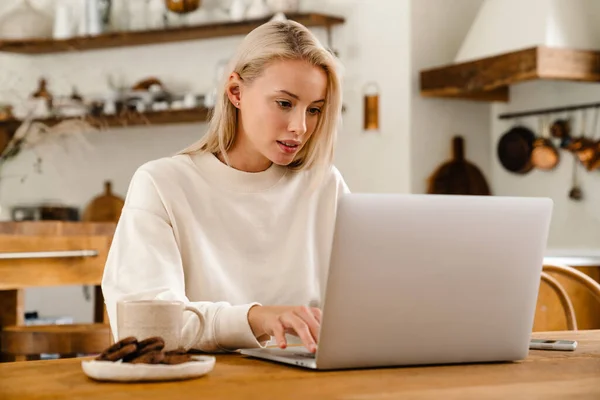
(543, 375)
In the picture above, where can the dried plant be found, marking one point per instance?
(46, 141)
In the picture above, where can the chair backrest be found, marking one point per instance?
(572, 273)
(564, 298)
(592, 286)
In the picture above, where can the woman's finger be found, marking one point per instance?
(317, 313)
(291, 320)
(307, 316)
(278, 332)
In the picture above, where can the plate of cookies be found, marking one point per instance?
(130, 360)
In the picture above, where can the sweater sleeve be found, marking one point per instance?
(144, 262)
(342, 186)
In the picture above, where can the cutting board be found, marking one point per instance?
(104, 208)
(458, 176)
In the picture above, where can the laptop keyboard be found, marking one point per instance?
(305, 355)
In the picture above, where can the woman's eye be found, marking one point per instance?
(314, 111)
(284, 104)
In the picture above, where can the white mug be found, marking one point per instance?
(143, 319)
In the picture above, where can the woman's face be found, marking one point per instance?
(278, 111)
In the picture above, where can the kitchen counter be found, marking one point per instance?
(573, 257)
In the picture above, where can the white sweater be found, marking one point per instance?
(222, 240)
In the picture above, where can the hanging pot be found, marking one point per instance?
(544, 155)
(561, 129)
(514, 150)
(588, 151)
(594, 160)
(580, 146)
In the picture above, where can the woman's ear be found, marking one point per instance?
(234, 89)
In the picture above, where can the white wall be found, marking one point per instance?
(11, 84)
(575, 225)
(437, 31)
(373, 46)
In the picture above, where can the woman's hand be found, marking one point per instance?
(276, 321)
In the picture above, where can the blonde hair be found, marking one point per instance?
(270, 42)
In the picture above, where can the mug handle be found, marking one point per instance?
(202, 322)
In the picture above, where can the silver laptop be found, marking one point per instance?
(428, 279)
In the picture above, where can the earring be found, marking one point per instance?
(237, 104)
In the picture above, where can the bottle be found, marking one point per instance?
(93, 18)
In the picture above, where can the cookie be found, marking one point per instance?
(153, 343)
(176, 357)
(119, 350)
(116, 355)
(150, 357)
(146, 346)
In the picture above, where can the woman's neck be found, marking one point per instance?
(243, 157)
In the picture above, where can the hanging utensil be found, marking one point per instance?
(589, 155)
(458, 175)
(575, 193)
(544, 154)
(514, 149)
(595, 162)
(561, 129)
(581, 142)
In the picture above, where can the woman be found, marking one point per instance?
(240, 224)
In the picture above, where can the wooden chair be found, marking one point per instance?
(575, 275)
(62, 254)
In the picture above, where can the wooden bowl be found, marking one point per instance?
(182, 6)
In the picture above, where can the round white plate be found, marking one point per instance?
(126, 372)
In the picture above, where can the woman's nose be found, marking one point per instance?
(298, 123)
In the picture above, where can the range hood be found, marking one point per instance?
(512, 41)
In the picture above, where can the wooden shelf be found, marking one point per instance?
(137, 38)
(488, 79)
(190, 115)
(199, 114)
